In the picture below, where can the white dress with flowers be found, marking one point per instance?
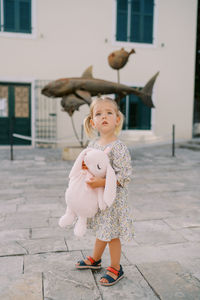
(115, 221)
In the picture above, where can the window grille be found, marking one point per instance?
(46, 114)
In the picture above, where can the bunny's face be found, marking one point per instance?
(97, 162)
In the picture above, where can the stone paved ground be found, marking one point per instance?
(37, 257)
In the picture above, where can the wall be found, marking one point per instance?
(72, 35)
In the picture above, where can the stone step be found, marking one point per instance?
(193, 144)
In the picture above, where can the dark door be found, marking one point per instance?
(15, 112)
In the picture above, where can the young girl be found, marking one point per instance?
(114, 222)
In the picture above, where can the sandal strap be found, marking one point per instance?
(109, 278)
(93, 262)
(113, 270)
(91, 259)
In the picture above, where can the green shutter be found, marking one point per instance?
(142, 21)
(122, 105)
(25, 16)
(9, 15)
(122, 18)
(148, 21)
(17, 16)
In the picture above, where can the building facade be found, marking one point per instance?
(46, 40)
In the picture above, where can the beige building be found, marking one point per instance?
(48, 39)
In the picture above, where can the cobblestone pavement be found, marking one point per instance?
(37, 257)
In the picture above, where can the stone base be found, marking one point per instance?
(71, 153)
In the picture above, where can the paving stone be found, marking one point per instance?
(61, 279)
(84, 243)
(38, 207)
(11, 248)
(7, 193)
(191, 220)
(156, 232)
(132, 286)
(193, 266)
(191, 234)
(24, 287)
(8, 208)
(14, 235)
(46, 262)
(13, 201)
(173, 252)
(43, 245)
(164, 197)
(56, 213)
(11, 265)
(25, 220)
(45, 199)
(40, 193)
(69, 285)
(153, 214)
(11, 195)
(163, 275)
(49, 232)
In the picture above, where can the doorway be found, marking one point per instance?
(15, 112)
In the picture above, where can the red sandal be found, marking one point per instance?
(111, 280)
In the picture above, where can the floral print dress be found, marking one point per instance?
(115, 221)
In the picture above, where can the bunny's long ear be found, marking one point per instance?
(78, 163)
(110, 187)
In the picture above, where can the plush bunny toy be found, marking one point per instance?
(82, 200)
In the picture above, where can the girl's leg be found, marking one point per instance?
(115, 255)
(99, 248)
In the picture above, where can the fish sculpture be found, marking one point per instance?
(77, 91)
(119, 58)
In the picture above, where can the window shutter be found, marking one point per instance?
(135, 21)
(133, 117)
(122, 18)
(148, 21)
(9, 15)
(25, 16)
(142, 21)
(145, 116)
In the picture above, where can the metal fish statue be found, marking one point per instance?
(80, 90)
(119, 58)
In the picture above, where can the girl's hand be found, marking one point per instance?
(95, 182)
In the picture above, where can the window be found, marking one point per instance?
(137, 115)
(16, 16)
(134, 21)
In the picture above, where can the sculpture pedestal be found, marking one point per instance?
(71, 153)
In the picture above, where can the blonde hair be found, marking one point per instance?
(90, 131)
